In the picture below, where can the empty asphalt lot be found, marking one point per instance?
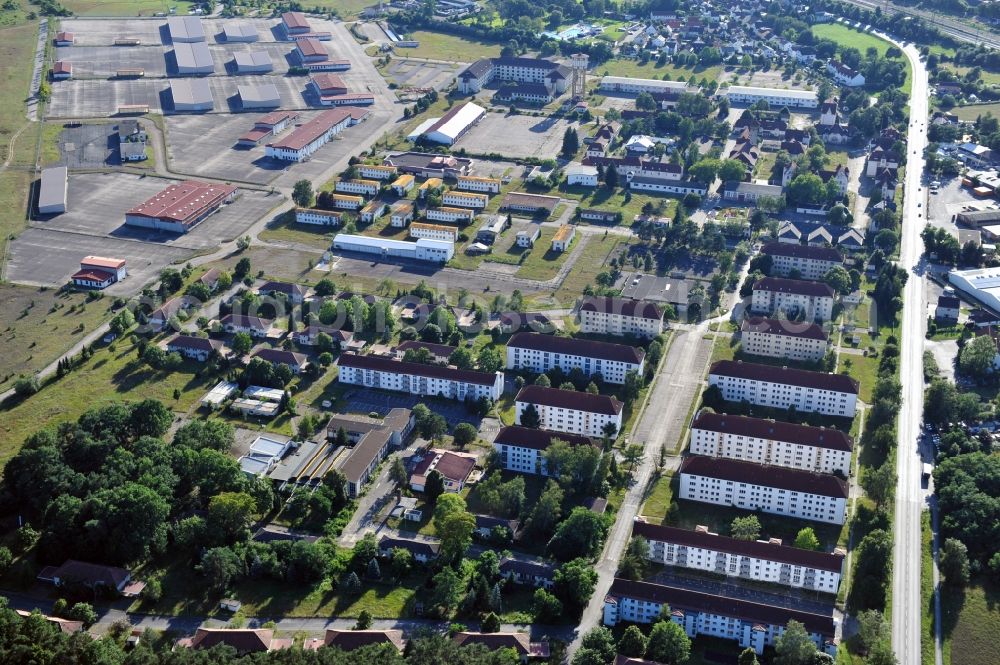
(517, 136)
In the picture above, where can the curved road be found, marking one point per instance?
(906, 605)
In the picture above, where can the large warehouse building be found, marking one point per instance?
(980, 284)
(191, 95)
(313, 135)
(193, 58)
(185, 29)
(423, 249)
(454, 124)
(259, 96)
(52, 191)
(252, 62)
(181, 206)
(240, 32)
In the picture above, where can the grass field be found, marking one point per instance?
(591, 261)
(850, 38)
(39, 325)
(542, 263)
(301, 234)
(987, 77)
(628, 204)
(651, 70)
(439, 46)
(971, 622)
(112, 374)
(125, 7)
(976, 110)
(926, 591)
(658, 499)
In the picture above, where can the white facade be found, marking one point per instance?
(418, 379)
(809, 392)
(434, 232)
(611, 361)
(421, 250)
(568, 413)
(585, 176)
(810, 262)
(563, 238)
(761, 560)
(756, 487)
(665, 185)
(775, 338)
(317, 217)
(300, 144)
(402, 214)
(522, 450)
(364, 187)
(445, 214)
(474, 184)
(527, 238)
(613, 316)
(347, 202)
(802, 447)
(773, 296)
(634, 86)
(465, 200)
(373, 211)
(701, 614)
(377, 172)
(775, 97)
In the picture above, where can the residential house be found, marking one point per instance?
(454, 468)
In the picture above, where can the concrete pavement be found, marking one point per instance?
(906, 604)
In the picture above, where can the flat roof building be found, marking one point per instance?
(191, 95)
(53, 190)
(739, 94)
(259, 96)
(180, 207)
(636, 85)
(424, 249)
(193, 58)
(185, 29)
(980, 284)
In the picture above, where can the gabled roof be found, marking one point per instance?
(579, 347)
(244, 321)
(785, 375)
(349, 640)
(796, 286)
(519, 642)
(819, 437)
(281, 356)
(569, 399)
(90, 574)
(536, 439)
(192, 342)
(413, 546)
(417, 369)
(802, 251)
(784, 327)
(626, 307)
(738, 471)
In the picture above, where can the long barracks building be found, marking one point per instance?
(783, 387)
(540, 353)
(418, 378)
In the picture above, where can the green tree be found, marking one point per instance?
(364, 620)
(461, 358)
(705, 171)
(397, 472)
(83, 612)
(446, 591)
(645, 102)
(794, 646)
(872, 629)
(745, 528)
(242, 343)
(454, 526)
(581, 534)
(748, 657)
(880, 484)
(122, 322)
(954, 562)
(489, 360)
(668, 643)
(434, 485)
(601, 641)
(632, 643)
(976, 359)
(575, 582)
(635, 560)
(571, 143)
(464, 434)
(229, 515)
(221, 566)
(806, 539)
(731, 169)
(302, 194)
(546, 608)
(547, 510)
(401, 563)
(838, 279)
(530, 417)
(491, 623)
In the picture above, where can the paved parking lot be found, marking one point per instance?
(420, 74)
(517, 136)
(89, 146)
(103, 32)
(950, 200)
(43, 257)
(364, 400)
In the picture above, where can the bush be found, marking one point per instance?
(26, 385)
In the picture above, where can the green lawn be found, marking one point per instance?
(971, 622)
(974, 111)
(39, 325)
(650, 70)
(926, 591)
(302, 234)
(439, 46)
(620, 200)
(125, 7)
(542, 263)
(658, 499)
(865, 370)
(851, 38)
(987, 77)
(591, 261)
(112, 374)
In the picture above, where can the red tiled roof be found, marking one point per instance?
(766, 476)
(757, 549)
(453, 467)
(349, 640)
(536, 439)
(274, 117)
(62, 67)
(417, 369)
(93, 275)
(695, 601)
(785, 327)
(806, 435)
(569, 399)
(578, 347)
(796, 286)
(785, 375)
(642, 309)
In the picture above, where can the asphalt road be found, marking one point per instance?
(906, 605)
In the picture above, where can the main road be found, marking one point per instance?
(906, 606)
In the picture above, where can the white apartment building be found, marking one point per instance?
(810, 262)
(347, 201)
(465, 200)
(634, 86)
(776, 443)
(772, 295)
(775, 97)
(373, 211)
(522, 449)
(783, 387)
(418, 378)
(570, 411)
(783, 338)
(760, 560)
(620, 316)
(476, 184)
(521, 70)
(377, 172)
(318, 217)
(770, 489)
(645, 183)
(402, 214)
(540, 353)
(446, 214)
(363, 187)
(434, 231)
(750, 624)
